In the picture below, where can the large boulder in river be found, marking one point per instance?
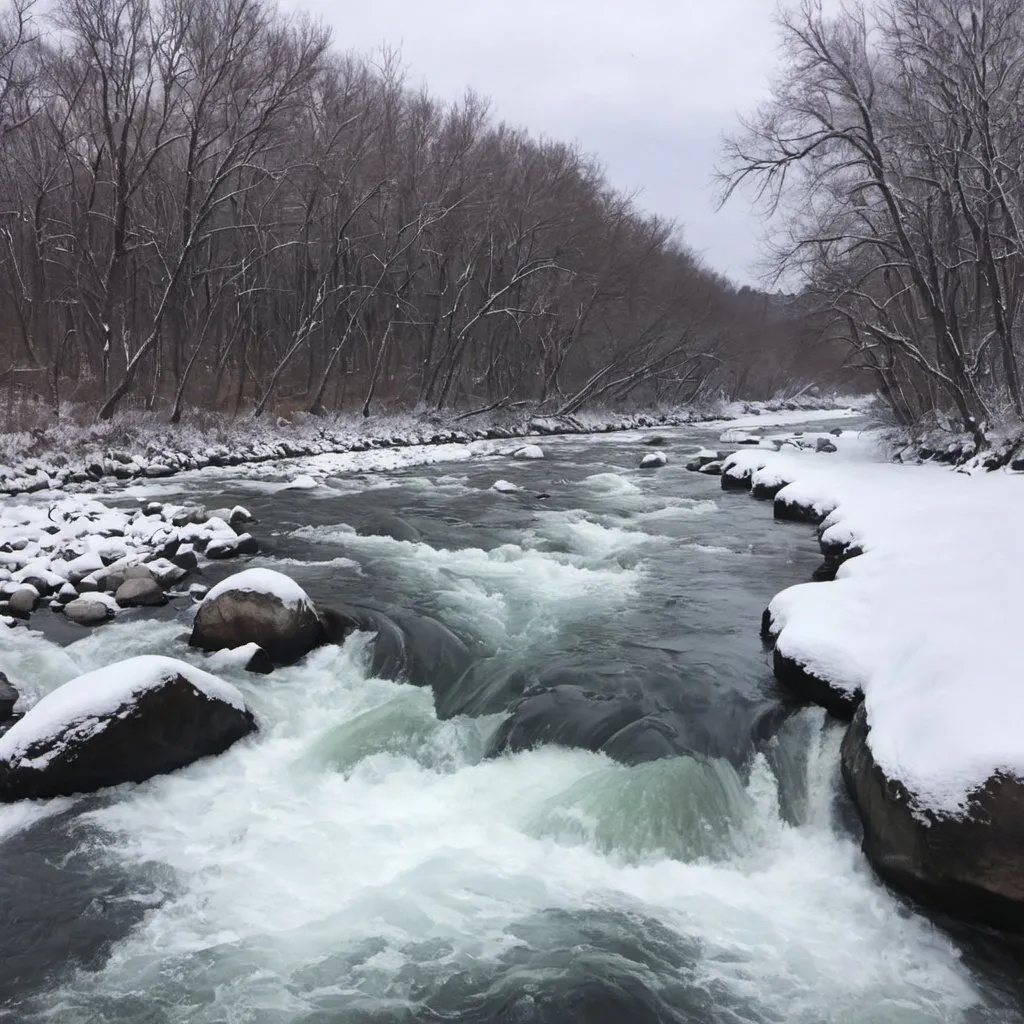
(258, 606)
(969, 866)
(124, 723)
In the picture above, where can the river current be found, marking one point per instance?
(364, 858)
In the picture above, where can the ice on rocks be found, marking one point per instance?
(505, 487)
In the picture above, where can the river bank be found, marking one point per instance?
(910, 630)
(143, 447)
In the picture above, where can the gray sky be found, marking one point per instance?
(646, 85)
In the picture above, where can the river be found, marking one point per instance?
(364, 860)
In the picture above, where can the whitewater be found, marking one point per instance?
(363, 859)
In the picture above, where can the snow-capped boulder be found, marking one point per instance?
(969, 866)
(529, 451)
(124, 723)
(91, 609)
(654, 460)
(250, 658)
(304, 482)
(140, 591)
(505, 487)
(258, 606)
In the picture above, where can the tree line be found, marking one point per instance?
(204, 203)
(892, 155)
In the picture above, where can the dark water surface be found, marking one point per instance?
(651, 833)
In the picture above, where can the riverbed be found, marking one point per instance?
(366, 858)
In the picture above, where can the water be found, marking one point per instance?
(364, 860)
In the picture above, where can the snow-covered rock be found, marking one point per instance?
(140, 591)
(91, 609)
(249, 658)
(8, 698)
(505, 487)
(921, 626)
(124, 723)
(529, 451)
(654, 460)
(258, 606)
(302, 483)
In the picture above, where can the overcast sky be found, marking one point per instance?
(648, 86)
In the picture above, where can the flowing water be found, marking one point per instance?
(362, 859)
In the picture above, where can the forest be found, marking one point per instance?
(207, 204)
(891, 156)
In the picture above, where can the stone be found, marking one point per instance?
(233, 618)
(970, 867)
(824, 445)
(653, 461)
(8, 697)
(23, 601)
(87, 611)
(124, 723)
(140, 591)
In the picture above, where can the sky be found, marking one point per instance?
(648, 86)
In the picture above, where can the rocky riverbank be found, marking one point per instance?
(909, 628)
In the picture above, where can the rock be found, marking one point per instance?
(258, 606)
(823, 444)
(250, 658)
(239, 516)
(89, 610)
(158, 469)
(790, 511)
(137, 572)
(166, 572)
(197, 591)
(711, 469)
(8, 698)
(152, 508)
(388, 526)
(655, 440)
(654, 460)
(124, 723)
(836, 431)
(80, 567)
(23, 601)
(243, 544)
(505, 487)
(529, 451)
(798, 678)
(185, 557)
(971, 867)
(140, 591)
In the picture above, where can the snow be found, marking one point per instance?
(529, 451)
(263, 581)
(80, 707)
(304, 482)
(505, 487)
(233, 657)
(923, 623)
(653, 460)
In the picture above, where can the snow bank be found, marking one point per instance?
(80, 707)
(924, 623)
(263, 581)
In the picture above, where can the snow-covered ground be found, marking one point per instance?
(924, 623)
(137, 446)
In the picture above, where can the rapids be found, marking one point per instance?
(364, 858)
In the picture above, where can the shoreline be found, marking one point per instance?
(906, 630)
(154, 452)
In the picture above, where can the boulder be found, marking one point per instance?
(89, 610)
(823, 444)
(505, 487)
(138, 572)
(8, 698)
(385, 525)
(654, 460)
(805, 684)
(655, 440)
(23, 601)
(970, 867)
(124, 723)
(140, 591)
(258, 606)
(529, 451)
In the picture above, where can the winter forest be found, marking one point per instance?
(209, 204)
(893, 156)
